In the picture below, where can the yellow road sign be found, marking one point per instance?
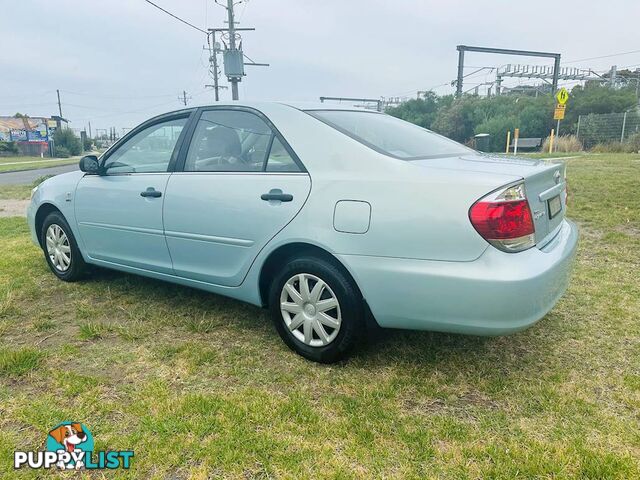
(558, 113)
(562, 96)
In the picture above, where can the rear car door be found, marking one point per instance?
(119, 212)
(240, 184)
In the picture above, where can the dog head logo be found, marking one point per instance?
(69, 436)
(73, 438)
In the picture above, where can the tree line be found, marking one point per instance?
(462, 118)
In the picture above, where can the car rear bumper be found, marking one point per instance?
(496, 294)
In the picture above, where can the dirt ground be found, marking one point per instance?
(13, 208)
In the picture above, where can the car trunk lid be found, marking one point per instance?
(544, 184)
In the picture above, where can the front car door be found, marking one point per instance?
(240, 184)
(119, 212)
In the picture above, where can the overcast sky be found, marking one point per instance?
(119, 62)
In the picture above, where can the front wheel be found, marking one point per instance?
(316, 308)
(60, 248)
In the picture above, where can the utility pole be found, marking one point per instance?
(214, 71)
(184, 98)
(613, 75)
(213, 60)
(59, 104)
(90, 130)
(232, 46)
(460, 71)
(233, 55)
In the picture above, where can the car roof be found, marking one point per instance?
(266, 107)
(323, 106)
(298, 105)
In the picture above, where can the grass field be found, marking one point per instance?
(8, 164)
(201, 387)
(15, 192)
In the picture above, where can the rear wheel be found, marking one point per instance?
(316, 308)
(60, 248)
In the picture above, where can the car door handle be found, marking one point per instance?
(276, 194)
(151, 192)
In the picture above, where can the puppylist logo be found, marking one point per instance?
(69, 446)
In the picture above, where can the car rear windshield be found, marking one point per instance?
(390, 135)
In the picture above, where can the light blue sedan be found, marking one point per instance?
(330, 217)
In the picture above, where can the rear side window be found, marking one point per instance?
(390, 135)
(228, 141)
(236, 141)
(279, 159)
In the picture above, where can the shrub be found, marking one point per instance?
(65, 137)
(563, 143)
(40, 179)
(87, 144)
(610, 147)
(8, 148)
(497, 127)
(630, 145)
(62, 152)
(634, 143)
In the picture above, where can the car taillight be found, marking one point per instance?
(503, 218)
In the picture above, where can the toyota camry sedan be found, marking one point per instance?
(332, 218)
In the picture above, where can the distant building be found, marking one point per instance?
(31, 134)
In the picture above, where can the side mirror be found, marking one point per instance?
(89, 164)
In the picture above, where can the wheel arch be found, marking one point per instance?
(42, 212)
(291, 250)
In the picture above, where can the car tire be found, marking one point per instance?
(313, 327)
(61, 249)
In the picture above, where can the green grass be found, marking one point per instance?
(17, 192)
(20, 192)
(555, 154)
(19, 362)
(31, 163)
(201, 386)
(92, 330)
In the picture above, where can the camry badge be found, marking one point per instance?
(556, 177)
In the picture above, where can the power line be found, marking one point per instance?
(603, 56)
(406, 92)
(20, 105)
(479, 70)
(114, 97)
(115, 114)
(111, 113)
(176, 17)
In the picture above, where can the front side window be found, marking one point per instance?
(228, 141)
(390, 135)
(148, 151)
